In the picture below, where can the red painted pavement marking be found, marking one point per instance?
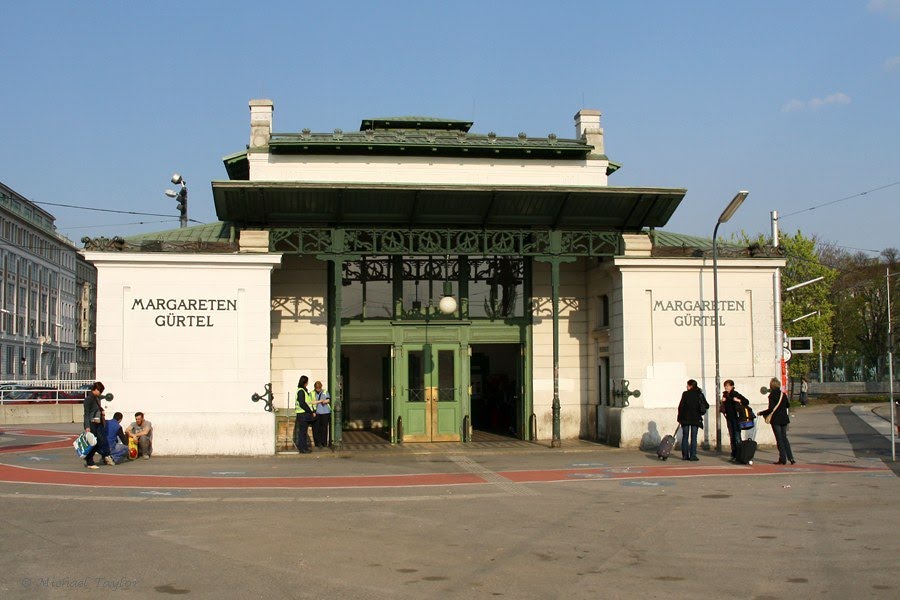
(20, 474)
(640, 472)
(64, 440)
(17, 474)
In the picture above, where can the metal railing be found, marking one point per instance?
(46, 391)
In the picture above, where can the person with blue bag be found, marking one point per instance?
(732, 402)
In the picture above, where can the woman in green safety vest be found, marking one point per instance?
(304, 416)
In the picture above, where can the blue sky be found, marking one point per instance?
(795, 101)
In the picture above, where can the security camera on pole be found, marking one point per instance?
(181, 196)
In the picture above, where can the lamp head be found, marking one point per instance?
(447, 305)
(171, 193)
(733, 206)
(176, 179)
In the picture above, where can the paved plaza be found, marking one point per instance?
(514, 520)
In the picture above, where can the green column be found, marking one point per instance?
(336, 258)
(556, 442)
(555, 258)
(337, 382)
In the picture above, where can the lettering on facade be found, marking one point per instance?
(688, 310)
(183, 312)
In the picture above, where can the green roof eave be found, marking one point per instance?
(273, 203)
(237, 166)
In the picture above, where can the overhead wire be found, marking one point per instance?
(110, 210)
(857, 195)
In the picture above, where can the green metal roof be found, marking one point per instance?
(417, 136)
(209, 237)
(265, 203)
(667, 243)
(415, 122)
(667, 239)
(427, 142)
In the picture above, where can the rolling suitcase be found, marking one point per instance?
(666, 446)
(747, 450)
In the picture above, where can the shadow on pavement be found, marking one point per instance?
(864, 439)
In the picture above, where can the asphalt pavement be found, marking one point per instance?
(511, 520)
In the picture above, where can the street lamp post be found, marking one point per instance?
(41, 341)
(181, 196)
(723, 218)
(890, 341)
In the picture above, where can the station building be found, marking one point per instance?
(444, 285)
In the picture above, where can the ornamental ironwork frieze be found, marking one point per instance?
(458, 242)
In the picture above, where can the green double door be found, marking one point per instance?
(430, 391)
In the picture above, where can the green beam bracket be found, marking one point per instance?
(624, 393)
(266, 396)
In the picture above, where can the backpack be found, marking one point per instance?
(746, 417)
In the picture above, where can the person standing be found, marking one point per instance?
(93, 423)
(304, 415)
(804, 390)
(691, 409)
(778, 417)
(732, 400)
(322, 424)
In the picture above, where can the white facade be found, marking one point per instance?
(186, 340)
(662, 333)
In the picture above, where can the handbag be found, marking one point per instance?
(768, 417)
(84, 442)
(746, 418)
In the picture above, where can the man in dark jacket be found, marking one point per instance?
(93, 422)
(731, 401)
(691, 409)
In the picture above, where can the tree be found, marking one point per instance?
(860, 295)
(804, 264)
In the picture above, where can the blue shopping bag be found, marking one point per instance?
(84, 442)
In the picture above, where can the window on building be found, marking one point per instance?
(603, 311)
